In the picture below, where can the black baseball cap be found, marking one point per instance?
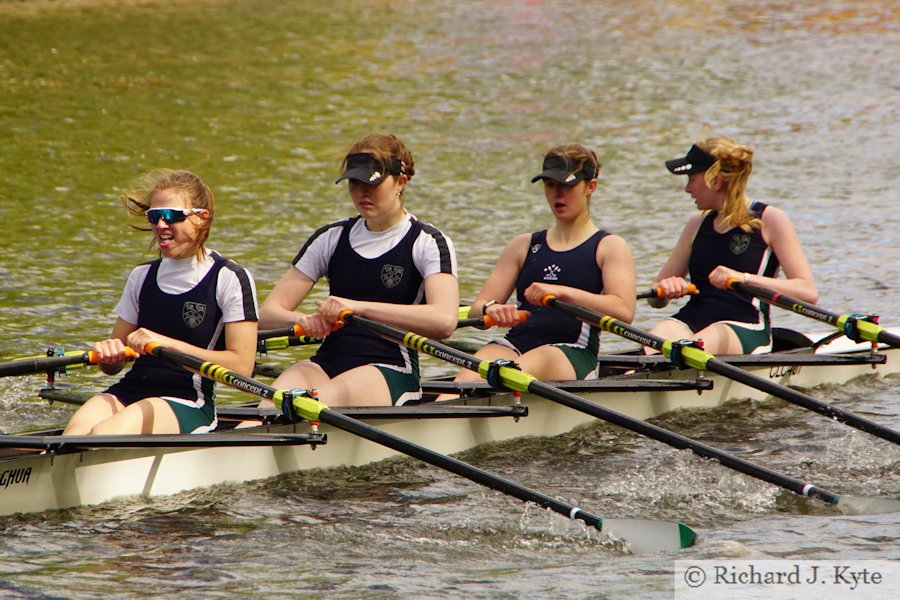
(362, 166)
(558, 168)
(697, 161)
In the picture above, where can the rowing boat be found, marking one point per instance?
(42, 471)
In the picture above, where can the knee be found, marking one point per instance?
(101, 428)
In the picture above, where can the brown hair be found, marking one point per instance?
(734, 163)
(383, 147)
(186, 184)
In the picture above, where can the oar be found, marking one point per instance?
(487, 322)
(642, 535)
(70, 443)
(857, 327)
(658, 292)
(264, 345)
(39, 364)
(694, 357)
(295, 330)
(516, 380)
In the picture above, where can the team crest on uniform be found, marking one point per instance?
(391, 275)
(551, 273)
(193, 313)
(739, 243)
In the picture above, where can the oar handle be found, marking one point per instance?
(295, 330)
(658, 292)
(487, 322)
(93, 358)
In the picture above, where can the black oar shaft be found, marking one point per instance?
(803, 400)
(858, 328)
(38, 364)
(518, 381)
(340, 421)
(458, 467)
(702, 360)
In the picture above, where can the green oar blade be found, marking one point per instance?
(643, 536)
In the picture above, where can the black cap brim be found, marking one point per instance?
(697, 160)
(362, 174)
(560, 176)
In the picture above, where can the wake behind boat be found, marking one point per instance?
(76, 472)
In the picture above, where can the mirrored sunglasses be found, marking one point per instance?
(171, 215)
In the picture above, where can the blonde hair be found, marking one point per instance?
(734, 164)
(185, 184)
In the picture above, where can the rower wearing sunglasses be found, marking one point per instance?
(383, 264)
(190, 300)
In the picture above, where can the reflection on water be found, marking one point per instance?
(262, 98)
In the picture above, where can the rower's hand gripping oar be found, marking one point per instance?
(641, 535)
(857, 327)
(296, 330)
(485, 322)
(40, 364)
(658, 292)
(686, 353)
(516, 380)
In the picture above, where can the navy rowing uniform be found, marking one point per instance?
(194, 316)
(736, 249)
(390, 267)
(577, 268)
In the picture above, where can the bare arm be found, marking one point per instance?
(501, 283)
(240, 346)
(280, 307)
(618, 298)
(437, 318)
(671, 278)
(780, 235)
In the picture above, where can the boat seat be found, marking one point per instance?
(787, 339)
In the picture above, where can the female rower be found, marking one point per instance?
(573, 260)
(190, 300)
(729, 238)
(383, 264)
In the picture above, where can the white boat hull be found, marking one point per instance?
(31, 482)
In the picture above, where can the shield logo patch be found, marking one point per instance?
(739, 243)
(193, 313)
(391, 275)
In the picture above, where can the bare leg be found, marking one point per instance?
(362, 386)
(488, 352)
(670, 329)
(98, 408)
(305, 374)
(719, 338)
(150, 415)
(547, 362)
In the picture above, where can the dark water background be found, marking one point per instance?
(262, 98)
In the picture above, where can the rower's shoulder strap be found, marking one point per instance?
(757, 208)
